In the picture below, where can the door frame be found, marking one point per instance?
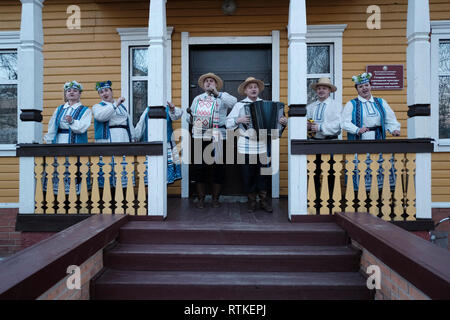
(186, 41)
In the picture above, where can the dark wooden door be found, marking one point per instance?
(233, 64)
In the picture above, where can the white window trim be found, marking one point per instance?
(186, 41)
(9, 40)
(330, 34)
(439, 30)
(138, 37)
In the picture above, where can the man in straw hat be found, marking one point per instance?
(367, 117)
(207, 115)
(324, 114)
(250, 148)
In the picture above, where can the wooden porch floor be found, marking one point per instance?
(233, 209)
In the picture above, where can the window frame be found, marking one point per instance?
(440, 31)
(330, 34)
(331, 57)
(132, 78)
(10, 41)
(134, 38)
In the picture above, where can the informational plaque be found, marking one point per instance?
(386, 77)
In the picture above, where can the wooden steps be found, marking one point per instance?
(182, 260)
(232, 258)
(184, 285)
(312, 234)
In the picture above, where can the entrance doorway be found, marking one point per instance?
(233, 63)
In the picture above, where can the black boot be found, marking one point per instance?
(216, 188)
(201, 190)
(265, 202)
(251, 202)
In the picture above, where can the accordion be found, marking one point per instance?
(264, 115)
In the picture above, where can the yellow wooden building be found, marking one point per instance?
(89, 41)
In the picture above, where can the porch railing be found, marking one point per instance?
(93, 178)
(378, 177)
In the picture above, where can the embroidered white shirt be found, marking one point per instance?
(117, 116)
(247, 143)
(224, 102)
(371, 116)
(328, 115)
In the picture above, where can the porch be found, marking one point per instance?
(69, 181)
(72, 182)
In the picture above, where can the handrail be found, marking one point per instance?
(90, 149)
(34, 270)
(420, 262)
(421, 145)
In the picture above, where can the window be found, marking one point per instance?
(134, 71)
(8, 97)
(9, 43)
(324, 57)
(444, 89)
(440, 84)
(320, 64)
(138, 81)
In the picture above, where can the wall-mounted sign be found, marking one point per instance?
(386, 77)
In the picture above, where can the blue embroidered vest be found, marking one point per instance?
(357, 119)
(102, 128)
(77, 114)
(169, 126)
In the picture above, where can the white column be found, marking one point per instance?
(157, 94)
(297, 166)
(418, 96)
(418, 69)
(29, 95)
(186, 140)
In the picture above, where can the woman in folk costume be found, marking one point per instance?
(70, 121)
(69, 124)
(173, 161)
(207, 115)
(255, 183)
(112, 121)
(367, 117)
(324, 114)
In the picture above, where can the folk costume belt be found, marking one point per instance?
(326, 138)
(374, 128)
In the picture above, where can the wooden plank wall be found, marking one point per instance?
(93, 52)
(9, 166)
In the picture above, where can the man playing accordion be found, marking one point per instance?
(250, 146)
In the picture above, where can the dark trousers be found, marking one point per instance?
(252, 178)
(203, 172)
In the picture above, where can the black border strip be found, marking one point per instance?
(297, 110)
(415, 225)
(31, 115)
(47, 222)
(422, 145)
(419, 110)
(91, 149)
